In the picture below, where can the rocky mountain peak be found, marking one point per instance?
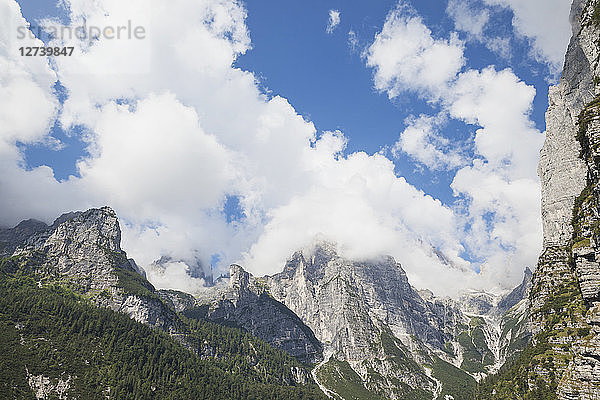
(84, 249)
(238, 277)
(98, 227)
(517, 294)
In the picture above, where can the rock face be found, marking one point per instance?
(246, 303)
(520, 293)
(359, 311)
(83, 250)
(332, 294)
(561, 170)
(370, 324)
(565, 293)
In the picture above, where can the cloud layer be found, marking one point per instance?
(498, 187)
(173, 129)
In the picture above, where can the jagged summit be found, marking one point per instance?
(84, 249)
(517, 294)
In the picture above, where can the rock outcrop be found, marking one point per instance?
(372, 326)
(563, 358)
(247, 304)
(82, 250)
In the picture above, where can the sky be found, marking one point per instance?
(244, 131)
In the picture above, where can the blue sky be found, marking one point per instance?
(325, 79)
(438, 136)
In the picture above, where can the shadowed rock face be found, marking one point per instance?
(83, 250)
(246, 303)
(519, 293)
(12, 237)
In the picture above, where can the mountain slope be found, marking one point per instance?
(380, 337)
(82, 250)
(563, 359)
(67, 293)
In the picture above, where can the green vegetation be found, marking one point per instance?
(56, 333)
(340, 378)
(395, 350)
(133, 283)
(596, 14)
(514, 378)
(512, 381)
(455, 382)
(476, 354)
(536, 371)
(587, 115)
(519, 338)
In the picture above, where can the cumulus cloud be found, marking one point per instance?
(174, 275)
(167, 145)
(545, 22)
(405, 55)
(501, 185)
(472, 17)
(359, 202)
(467, 18)
(27, 106)
(173, 130)
(421, 141)
(334, 20)
(498, 188)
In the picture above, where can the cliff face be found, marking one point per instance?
(563, 359)
(82, 250)
(245, 303)
(359, 310)
(561, 169)
(373, 331)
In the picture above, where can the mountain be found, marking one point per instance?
(78, 320)
(82, 250)
(380, 338)
(562, 361)
(245, 304)
(82, 321)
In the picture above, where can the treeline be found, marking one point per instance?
(55, 333)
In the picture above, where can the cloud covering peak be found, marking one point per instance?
(172, 129)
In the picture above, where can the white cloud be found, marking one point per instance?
(421, 141)
(169, 142)
(352, 40)
(360, 203)
(173, 275)
(467, 18)
(27, 104)
(333, 21)
(501, 185)
(546, 23)
(405, 56)
(472, 17)
(499, 188)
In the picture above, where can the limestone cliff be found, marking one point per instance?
(82, 250)
(379, 336)
(245, 303)
(563, 359)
